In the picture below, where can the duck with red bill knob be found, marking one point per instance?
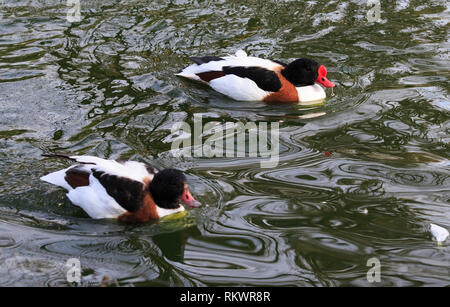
(322, 78)
(189, 200)
(127, 190)
(247, 78)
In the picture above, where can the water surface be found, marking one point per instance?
(105, 86)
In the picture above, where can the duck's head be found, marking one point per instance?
(168, 187)
(303, 72)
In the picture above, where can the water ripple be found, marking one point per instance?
(105, 86)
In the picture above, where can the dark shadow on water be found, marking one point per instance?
(172, 244)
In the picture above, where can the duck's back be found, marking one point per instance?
(216, 64)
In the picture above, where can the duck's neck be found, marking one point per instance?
(163, 202)
(288, 73)
(146, 212)
(164, 212)
(167, 204)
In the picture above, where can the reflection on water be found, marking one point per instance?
(105, 86)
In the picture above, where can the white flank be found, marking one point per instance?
(95, 201)
(241, 89)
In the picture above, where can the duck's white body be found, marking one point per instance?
(92, 196)
(245, 89)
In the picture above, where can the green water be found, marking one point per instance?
(105, 86)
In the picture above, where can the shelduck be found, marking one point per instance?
(128, 190)
(246, 78)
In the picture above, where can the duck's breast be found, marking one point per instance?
(311, 93)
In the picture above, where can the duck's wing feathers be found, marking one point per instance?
(213, 64)
(279, 62)
(264, 78)
(132, 170)
(96, 201)
(128, 193)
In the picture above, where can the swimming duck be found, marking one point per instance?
(246, 78)
(128, 190)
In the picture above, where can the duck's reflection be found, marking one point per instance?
(172, 244)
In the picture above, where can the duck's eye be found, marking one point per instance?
(323, 79)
